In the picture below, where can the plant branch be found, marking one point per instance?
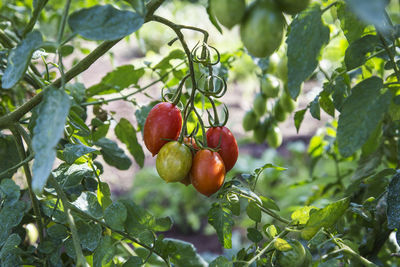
(35, 15)
(13, 168)
(391, 56)
(34, 200)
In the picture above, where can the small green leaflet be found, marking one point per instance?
(47, 132)
(220, 218)
(308, 34)
(299, 117)
(19, 58)
(104, 22)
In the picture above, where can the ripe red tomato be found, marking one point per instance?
(228, 147)
(163, 122)
(208, 172)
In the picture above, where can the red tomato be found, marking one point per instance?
(228, 147)
(163, 122)
(208, 172)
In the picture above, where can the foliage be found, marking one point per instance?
(66, 216)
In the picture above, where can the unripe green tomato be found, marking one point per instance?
(273, 62)
(174, 161)
(250, 120)
(274, 137)
(292, 7)
(270, 86)
(279, 113)
(228, 12)
(294, 257)
(260, 105)
(282, 69)
(287, 103)
(261, 29)
(260, 132)
(308, 259)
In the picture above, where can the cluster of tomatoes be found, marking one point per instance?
(182, 159)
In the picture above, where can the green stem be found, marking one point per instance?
(81, 261)
(13, 168)
(268, 246)
(328, 7)
(35, 15)
(63, 21)
(34, 200)
(391, 56)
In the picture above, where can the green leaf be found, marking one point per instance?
(138, 5)
(127, 134)
(361, 114)
(104, 252)
(73, 151)
(138, 219)
(89, 235)
(371, 12)
(8, 154)
(133, 261)
(221, 261)
(163, 224)
(142, 113)
(11, 215)
(269, 203)
(47, 132)
(351, 26)
(307, 36)
(113, 155)
(253, 211)
(339, 94)
(299, 117)
(19, 58)
(115, 215)
(104, 195)
(165, 64)
(270, 231)
(117, 80)
(9, 192)
(88, 203)
(180, 253)
(326, 104)
(315, 109)
(12, 242)
(104, 22)
(282, 245)
(393, 202)
(57, 231)
(254, 235)
(302, 215)
(220, 218)
(356, 54)
(325, 217)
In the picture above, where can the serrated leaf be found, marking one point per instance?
(356, 54)
(351, 26)
(133, 261)
(253, 211)
(361, 114)
(325, 217)
(117, 80)
(221, 219)
(8, 155)
(393, 202)
(73, 151)
(104, 252)
(315, 109)
(165, 62)
(138, 219)
(57, 231)
(163, 224)
(113, 155)
(298, 118)
(11, 215)
(89, 235)
(104, 22)
(19, 58)
(307, 36)
(47, 132)
(221, 261)
(12, 242)
(127, 134)
(115, 215)
(302, 215)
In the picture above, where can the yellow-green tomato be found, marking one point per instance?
(274, 137)
(174, 161)
(228, 12)
(270, 85)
